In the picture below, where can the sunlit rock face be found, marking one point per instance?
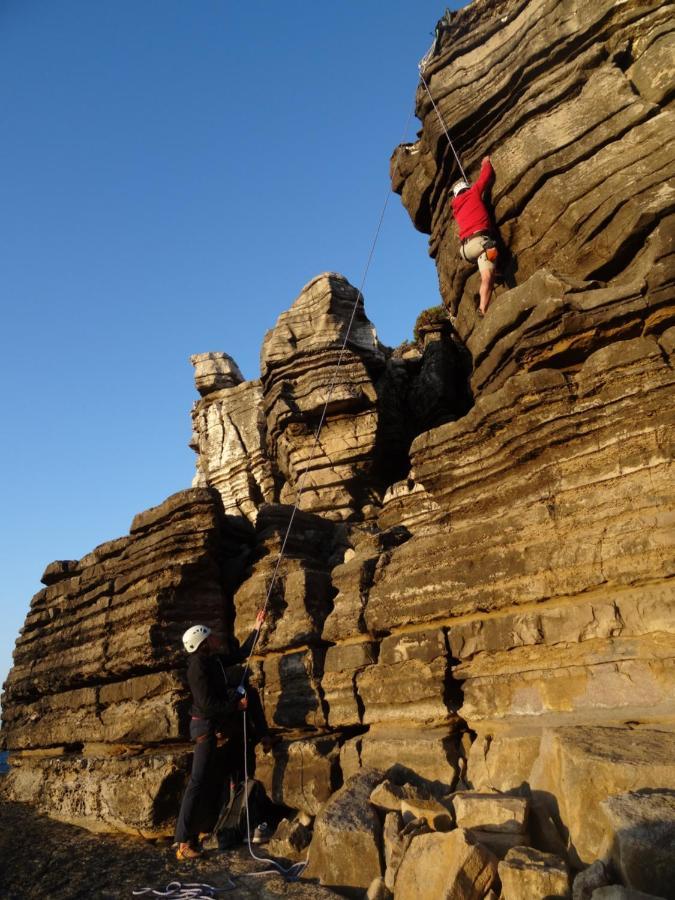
(477, 588)
(572, 102)
(300, 376)
(95, 707)
(552, 558)
(228, 435)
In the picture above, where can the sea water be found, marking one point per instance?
(4, 762)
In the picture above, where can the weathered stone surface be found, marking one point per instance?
(526, 873)
(406, 503)
(531, 457)
(301, 773)
(290, 840)
(291, 693)
(215, 371)
(298, 359)
(498, 842)
(490, 812)
(391, 844)
(429, 752)
(346, 846)
(228, 435)
(98, 667)
(585, 882)
(343, 662)
(409, 681)
(412, 803)
(58, 570)
(445, 866)
(568, 168)
(354, 577)
(641, 839)
(579, 767)
(137, 794)
(502, 762)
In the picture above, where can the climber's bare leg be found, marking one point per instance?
(487, 280)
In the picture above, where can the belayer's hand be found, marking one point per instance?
(243, 703)
(259, 619)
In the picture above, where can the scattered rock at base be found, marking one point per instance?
(397, 838)
(490, 812)
(345, 850)
(595, 876)
(642, 835)
(413, 803)
(290, 840)
(445, 866)
(526, 873)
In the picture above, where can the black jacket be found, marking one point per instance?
(214, 683)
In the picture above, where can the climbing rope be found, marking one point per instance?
(421, 67)
(175, 890)
(331, 388)
(290, 873)
(294, 872)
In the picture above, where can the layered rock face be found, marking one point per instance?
(95, 706)
(572, 103)
(477, 588)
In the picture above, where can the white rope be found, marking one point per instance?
(440, 118)
(291, 873)
(175, 890)
(301, 482)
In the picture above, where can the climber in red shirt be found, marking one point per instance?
(476, 233)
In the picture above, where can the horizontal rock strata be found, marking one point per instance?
(228, 435)
(97, 692)
(476, 593)
(583, 188)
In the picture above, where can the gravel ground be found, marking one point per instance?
(42, 859)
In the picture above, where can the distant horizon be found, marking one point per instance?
(175, 176)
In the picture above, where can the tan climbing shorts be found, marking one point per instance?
(474, 251)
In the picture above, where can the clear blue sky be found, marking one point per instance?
(171, 173)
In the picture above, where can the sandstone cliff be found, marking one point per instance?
(479, 584)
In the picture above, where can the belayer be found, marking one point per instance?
(218, 699)
(476, 234)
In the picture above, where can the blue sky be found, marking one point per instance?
(171, 173)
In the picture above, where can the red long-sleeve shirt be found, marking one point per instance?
(468, 208)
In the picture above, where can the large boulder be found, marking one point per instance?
(446, 866)
(526, 873)
(641, 839)
(346, 849)
(578, 768)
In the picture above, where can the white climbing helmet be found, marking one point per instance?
(459, 187)
(194, 636)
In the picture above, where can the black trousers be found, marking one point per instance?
(202, 765)
(214, 767)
